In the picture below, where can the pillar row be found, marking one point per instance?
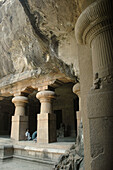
(19, 120)
(95, 28)
(46, 130)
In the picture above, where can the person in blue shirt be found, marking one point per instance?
(27, 134)
(34, 136)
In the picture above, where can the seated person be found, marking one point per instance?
(34, 136)
(27, 135)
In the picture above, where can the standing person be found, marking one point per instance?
(27, 134)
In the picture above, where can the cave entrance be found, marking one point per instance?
(65, 107)
(33, 108)
(58, 114)
(6, 113)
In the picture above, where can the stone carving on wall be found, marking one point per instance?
(74, 157)
(97, 82)
(108, 79)
(101, 82)
(61, 130)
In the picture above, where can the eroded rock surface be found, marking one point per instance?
(30, 30)
(52, 17)
(20, 49)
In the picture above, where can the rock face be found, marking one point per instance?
(54, 21)
(30, 30)
(20, 49)
(52, 18)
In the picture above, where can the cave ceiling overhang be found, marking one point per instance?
(52, 74)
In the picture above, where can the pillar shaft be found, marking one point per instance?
(95, 27)
(19, 120)
(78, 116)
(46, 130)
(46, 106)
(76, 90)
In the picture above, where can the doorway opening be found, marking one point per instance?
(6, 113)
(58, 114)
(65, 107)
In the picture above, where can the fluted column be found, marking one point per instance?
(76, 90)
(19, 120)
(95, 28)
(46, 130)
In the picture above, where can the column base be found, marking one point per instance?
(46, 132)
(19, 126)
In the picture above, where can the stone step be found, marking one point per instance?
(45, 154)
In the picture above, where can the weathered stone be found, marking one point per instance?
(18, 38)
(38, 52)
(55, 18)
(94, 28)
(73, 158)
(26, 43)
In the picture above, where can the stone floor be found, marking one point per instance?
(22, 165)
(62, 143)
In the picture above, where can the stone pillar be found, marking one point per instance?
(95, 27)
(46, 130)
(19, 120)
(76, 90)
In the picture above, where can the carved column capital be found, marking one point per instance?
(46, 98)
(21, 99)
(95, 27)
(20, 102)
(95, 19)
(76, 89)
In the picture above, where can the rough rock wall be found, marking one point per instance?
(55, 20)
(20, 49)
(52, 16)
(31, 29)
(68, 51)
(83, 4)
